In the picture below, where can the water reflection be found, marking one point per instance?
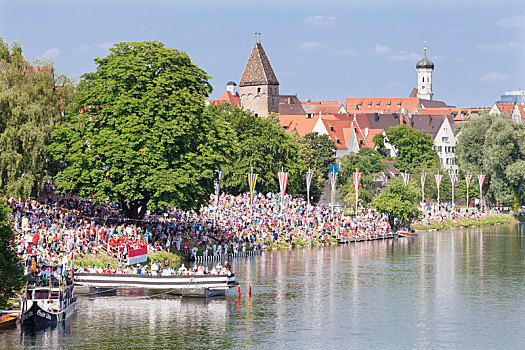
(454, 289)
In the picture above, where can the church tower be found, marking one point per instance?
(259, 88)
(424, 69)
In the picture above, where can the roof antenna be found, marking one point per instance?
(255, 37)
(259, 38)
(425, 48)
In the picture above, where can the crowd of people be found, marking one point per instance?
(54, 231)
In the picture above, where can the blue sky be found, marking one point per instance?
(318, 49)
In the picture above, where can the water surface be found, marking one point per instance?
(450, 289)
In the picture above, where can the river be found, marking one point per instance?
(450, 289)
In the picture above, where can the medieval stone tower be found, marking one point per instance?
(259, 88)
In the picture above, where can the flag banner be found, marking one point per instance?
(453, 178)
(309, 175)
(438, 177)
(283, 180)
(252, 180)
(406, 178)
(481, 179)
(467, 179)
(137, 255)
(357, 180)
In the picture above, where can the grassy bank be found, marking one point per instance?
(102, 260)
(463, 222)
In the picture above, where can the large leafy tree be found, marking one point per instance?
(495, 146)
(10, 269)
(397, 201)
(265, 147)
(143, 136)
(415, 149)
(29, 107)
(369, 163)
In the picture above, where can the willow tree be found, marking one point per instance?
(143, 137)
(29, 107)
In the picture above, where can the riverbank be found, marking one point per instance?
(464, 222)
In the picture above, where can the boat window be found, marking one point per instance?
(41, 294)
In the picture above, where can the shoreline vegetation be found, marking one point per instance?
(464, 222)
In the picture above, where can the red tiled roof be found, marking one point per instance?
(298, 123)
(227, 97)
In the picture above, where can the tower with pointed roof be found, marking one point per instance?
(424, 69)
(259, 87)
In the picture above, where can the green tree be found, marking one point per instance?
(369, 163)
(495, 146)
(415, 149)
(397, 201)
(10, 269)
(29, 107)
(143, 136)
(322, 151)
(265, 147)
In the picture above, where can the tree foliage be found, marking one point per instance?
(29, 107)
(397, 201)
(322, 151)
(495, 146)
(415, 149)
(264, 147)
(369, 163)
(142, 136)
(10, 269)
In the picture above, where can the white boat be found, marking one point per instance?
(195, 285)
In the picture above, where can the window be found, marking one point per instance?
(399, 104)
(423, 79)
(388, 104)
(377, 105)
(438, 149)
(369, 105)
(309, 116)
(444, 139)
(256, 115)
(258, 90)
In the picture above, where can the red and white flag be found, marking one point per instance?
(357, 180)
(137, 255)
(481, 179)
(438, 180)
(283, 181)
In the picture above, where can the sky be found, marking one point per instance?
(318, 49)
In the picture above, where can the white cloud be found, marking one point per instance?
(311, 45)
(51, 54)
(501, 47)
(382, 49)
(105, 46)
(494, 77)
(512, 22)
(319, 21)
(404, 57)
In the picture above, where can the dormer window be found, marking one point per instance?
(338, 141)
(369, 105)
(331, 128)
(399, 104)
(309, 116)
(377, 105)
(388, 104)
